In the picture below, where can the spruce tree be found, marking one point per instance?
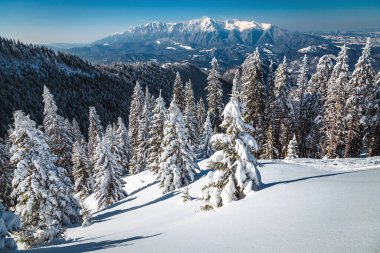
(373, 119)
(108, 184)
(95, 134)
(215, 96)
(156, 135)
(178, 93)
(60, 138)
(6, 175)
(235, 167)
(269, 151)
(190, 115)
(177, 161)
(123, 142)
(254, 95)
(335, 107)
(43, 191)
(237, 90)
(205, 148)
(283, 110)
(135, 111)
(361, 87)
(292, 149)
(76, 132)
(83, 177)
(201, 116)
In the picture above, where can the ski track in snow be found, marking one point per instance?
(302, 208)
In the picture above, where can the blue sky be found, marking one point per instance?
(47, 21)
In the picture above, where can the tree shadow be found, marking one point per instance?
(91, 246)
(105, 216)
(264, 186)
(143, 188)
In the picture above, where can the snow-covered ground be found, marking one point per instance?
(306, 206)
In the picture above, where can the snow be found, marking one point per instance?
(239, 25)
(171, 48)
(305, 206)
(158, 42)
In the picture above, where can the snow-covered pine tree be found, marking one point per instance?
(190, 115)
(177, 161)
(123, 142)
(139, 159)
(201, 116)
(6, 175)
(269, 151)
(60, 137)
(361, 87)
(43, 191)
(111, 141)
(95, 134)
(205, 148)
(135, 111)
(334, 126)
(178, 93)
(283, 110)
(292, 149)
(237, 90)
(302, 82)
(314, 106)
(83, 177)
(373, 119)
(215, 96)
(156, 135)
(77, 133)
(235, 166)
(254, 95)
(108, 184)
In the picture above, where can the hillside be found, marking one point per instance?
(294, 210)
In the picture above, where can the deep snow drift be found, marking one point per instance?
(306, 206)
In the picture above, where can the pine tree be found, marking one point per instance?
(83, 177)
(373, 119)
(292, 149)
(190, 116)
(60, 138)
(177, 162)
(283, 110)
(215, 96)
(156, 135)
(178, 93)
(205, 149)
(254, 95)
(201, 116)
(237, 90)
(235, 165)
(314, 106)
(6, 176)
(269, 151)
(335, 107)
(361, 87)
(95, 134)
(111, 141)
(302, 82)
(135, 111)
(124, 154)
(43, 191)
(108, 184)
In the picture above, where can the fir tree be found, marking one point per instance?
(335, 107)
(59, 132)
(254, 95)
(283, 110)
(269, 151)
(314, 106)
(356, 107)
(237, 90)
(205, 149)
(43, 191)
(111, 141)
(178, 93)
(95, 134)
(373, 119)
(215, 96)
(6, 176)
(292, 149)
(124, 154)
(156, 135)
(177, 162)
(135, 111)
(201, 116)
(108, 184)
(235, 165)
(77, 134)
(190, 116)
(83, 177)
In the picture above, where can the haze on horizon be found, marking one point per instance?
(84, 21)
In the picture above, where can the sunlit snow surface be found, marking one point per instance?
(306, 206)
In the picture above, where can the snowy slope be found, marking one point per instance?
(302, 209)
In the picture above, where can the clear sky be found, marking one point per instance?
(47, 21)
